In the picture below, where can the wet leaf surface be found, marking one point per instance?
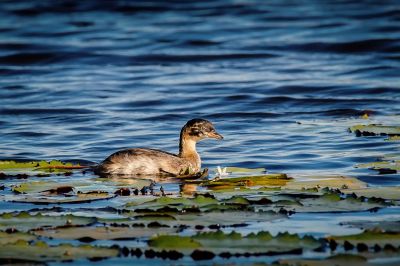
(40, 251)
(375, 129)
(370, 238)
(89, 234)
(236, 243)
(24, 221)
(134, 211)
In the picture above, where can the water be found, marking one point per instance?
(281, 80)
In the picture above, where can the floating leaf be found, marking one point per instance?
(89, 234)
(393, 138)
(381, 165)
(178, 202)
(236, 243)
(374, 129)
(389, 193)
(10, 238)
(40, 251)
(311, 182)
(79, 197)
(174, 242)
(274, 180)
(370, 237)
(35, 186)
(387, 226)
(24, 221)
(39, 165)
(233, 169)
(336, 260)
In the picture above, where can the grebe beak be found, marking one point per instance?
(215, 135)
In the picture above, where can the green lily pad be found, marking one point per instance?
(79, 197)
(24, 221)
(387, 226)
(271, 180)
(121, 181)
(375, 129)
(104, 232)
(393, 165)
(236, 243)
(40, 251)
(35, 186)
(241, 170)
(370, 238)
(393, 138)
(310, 182)
(174, 242)
(331, 202)
(388, 193)
(10, 238)
(5, 165)
(177, 202)
(336, 260)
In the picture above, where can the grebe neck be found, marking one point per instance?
(187, 150)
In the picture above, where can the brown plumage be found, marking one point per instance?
(144, 162)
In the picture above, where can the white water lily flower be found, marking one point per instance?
(221, 171)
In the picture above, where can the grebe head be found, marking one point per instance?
(199, 129)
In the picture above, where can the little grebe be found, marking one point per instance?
(141, 161)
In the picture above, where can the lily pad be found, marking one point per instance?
(40, 251)
(270, 180)
(236, 243)
(24, 221)
(232, 169)
(370, 238)
(336, 260)
(10, 238)
(340, 182)
(375, 129)
(387, 226)
(175, 202)
(54, 164)
(393, 138)
(381, 165)
(389, 193)
(79, 197)
(35, 186)
(104, 233)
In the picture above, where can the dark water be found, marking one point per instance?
(282, 80)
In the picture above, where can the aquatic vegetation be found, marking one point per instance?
(370, 238)
(374, 130)
(24, 221)
(92, 233)
(233, 242)
(38, 165)
(174, 225)
(273, 180)
(383, 167)
(22, 250)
